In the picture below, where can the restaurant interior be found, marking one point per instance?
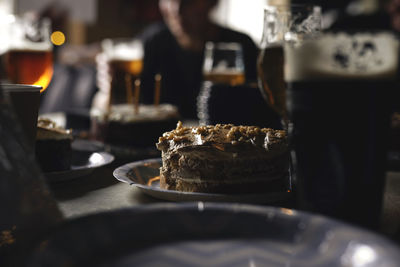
(199, 133)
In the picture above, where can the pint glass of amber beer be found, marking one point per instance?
(224, 77)
(124, 58)
(340, 88)
(223, 63)
(29, 56)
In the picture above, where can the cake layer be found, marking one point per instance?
(140, 134)
(48, 129)
(222, 158)
(53, 146)
(238, 168)
(225, 137)
(123, 127)
(260, 186)
(54, 155)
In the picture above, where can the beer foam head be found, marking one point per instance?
(342, 56)
(132, 50)
(21, 43)
(25, 35)
(30, 46)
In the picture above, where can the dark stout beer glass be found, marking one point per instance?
(339, 94)
(285, 23)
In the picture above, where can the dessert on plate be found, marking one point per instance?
(53, 146)
(223, 158)
(122, 125)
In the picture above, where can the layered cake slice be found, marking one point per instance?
(53, 146)
(223, 158)
(122, 126)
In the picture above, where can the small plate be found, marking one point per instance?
(143, 174)
(212, 234)
(83, 163)
(87, 145)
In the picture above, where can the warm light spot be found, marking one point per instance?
(44, 79)
(287, 211)
(7, 237)
(57, 38)
(152, 180)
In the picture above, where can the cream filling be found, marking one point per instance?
(230, 181)
(44, 134)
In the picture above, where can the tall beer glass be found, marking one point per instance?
(340, 88)
(223, 63)
(285, 23)
(223, 84)
(125, 62)
(29, 56)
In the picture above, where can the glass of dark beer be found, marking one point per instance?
(29, 55)
(339, 95)
(282, 23)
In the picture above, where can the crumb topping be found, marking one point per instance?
(7, 237)
(222, 134)
(48, 129)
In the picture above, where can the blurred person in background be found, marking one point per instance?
(393, 9)
(175, 49)
(359, 15)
